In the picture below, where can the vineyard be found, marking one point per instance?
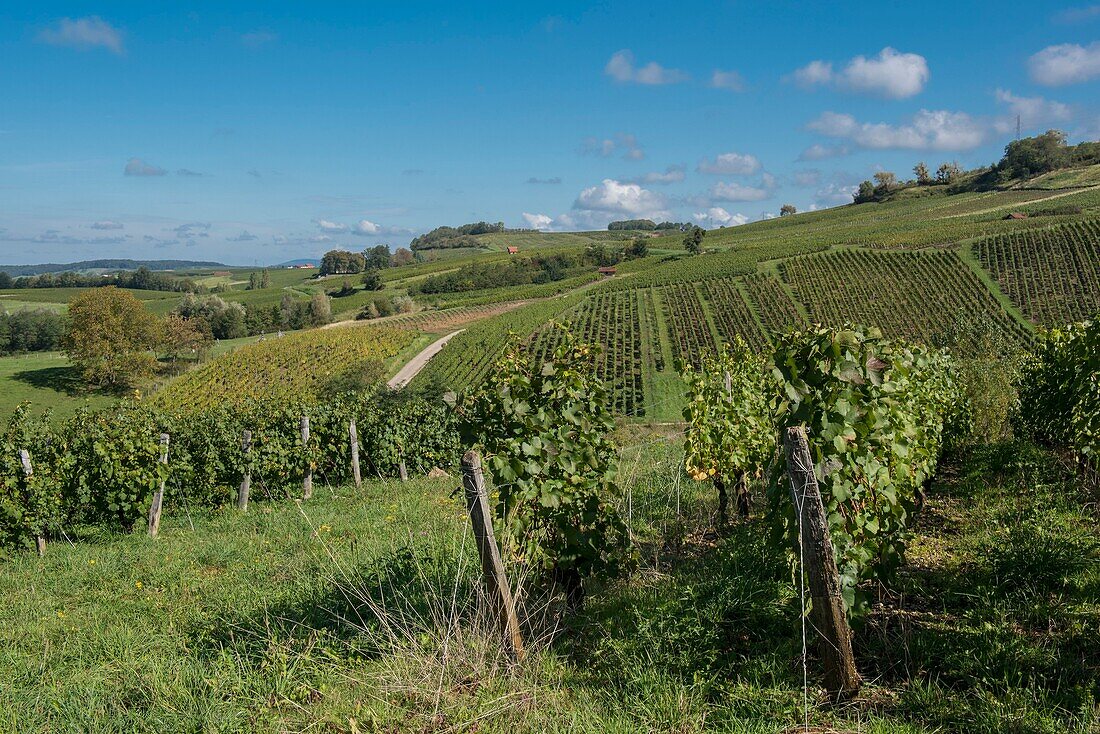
(915, 295)
(292, 367)
(1052, 275)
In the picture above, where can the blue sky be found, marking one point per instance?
(254, 133)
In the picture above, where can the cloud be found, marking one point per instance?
(259, 37)
(809, 177)
(834, 194)
(365, 227)
(1072, 16)
(56, 237)
(244, 236)
(188, 172)
(138, 167)
(927, 130)
(622, 69)
(538, 221)
(625, 143)
(730, 164)
(738, 192)
(719, 216)
(819, 152)
(332, 227)
(891, 74)
(254, 173)
(729, 80)
(192, 229)
(1033, 111)
(619, 198)
(106, 224)
(1068, 63)
(548, 181)
(672, 174)
(84, 34)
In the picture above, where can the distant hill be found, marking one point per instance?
(299, 261)
(123, 264)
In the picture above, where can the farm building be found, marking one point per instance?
(606, 272)
(1016, 215)
(512, 249)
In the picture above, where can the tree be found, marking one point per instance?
(787, 209)
(639, 248)
(947, 173)
(253, 281)
(180, 336)
(342, 262)
(377, 257)
(6, 281)
(885, 182)
(372, 280)
(693, 242)
(865, 193)
(402, 256)
(921, 172)
(110, 337)
(1030, 156)
(320, 309)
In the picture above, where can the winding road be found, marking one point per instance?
(413, 367)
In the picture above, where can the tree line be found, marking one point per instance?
(141, 279)
(442, 238)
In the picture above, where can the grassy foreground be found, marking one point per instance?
(357, 612)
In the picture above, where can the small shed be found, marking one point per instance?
(606, 272)
(512, 249)
(1016, 215)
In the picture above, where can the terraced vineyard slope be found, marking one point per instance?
(1053, 275)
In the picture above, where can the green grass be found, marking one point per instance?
(276, 619)
(45, 380)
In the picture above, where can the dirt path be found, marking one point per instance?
(412, 369)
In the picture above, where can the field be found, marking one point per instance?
(294, 366)
(1053, 275)
(355, 612)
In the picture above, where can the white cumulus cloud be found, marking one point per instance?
(890, 74)
(819, 152)
(671, 175)
(538, 221)
(730, 164)
(729, 80)
(1067, 63)
(621, 68)
(331, 227)
(738, 192)
(622, 199)
(927, 130)
(365, 226)
(718, 216)
(1033, 111)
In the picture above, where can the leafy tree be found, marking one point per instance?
(546, 433)
(180, 337)
(320, 309)
(342, 262)
(265, 279)
(110, 337)
(402, 256)
(1031, 156)
(885, 182)
(6, 280)
(947, 173)
(645, 225)
(787, 209)
(920, 170)
(640, 247)
(865, 193)
(377, 257)
(253, 281)
(372, 280)
(693, 242)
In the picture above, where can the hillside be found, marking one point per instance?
(84, 266)
(928, 266)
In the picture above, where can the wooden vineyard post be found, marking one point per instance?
(307, 478)
(401, 470)
(25, 460)
(496, 582)
(819, 564)
(727, 380)
(353, 440)
(246, 480)
(158, 497)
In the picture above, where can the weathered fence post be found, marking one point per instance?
(353, 439)
(401, 470)
(819, 564)
(307, 479)
(496, 582)
(727, 380)
(157, 504)
(25, 460)
(246, 480)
